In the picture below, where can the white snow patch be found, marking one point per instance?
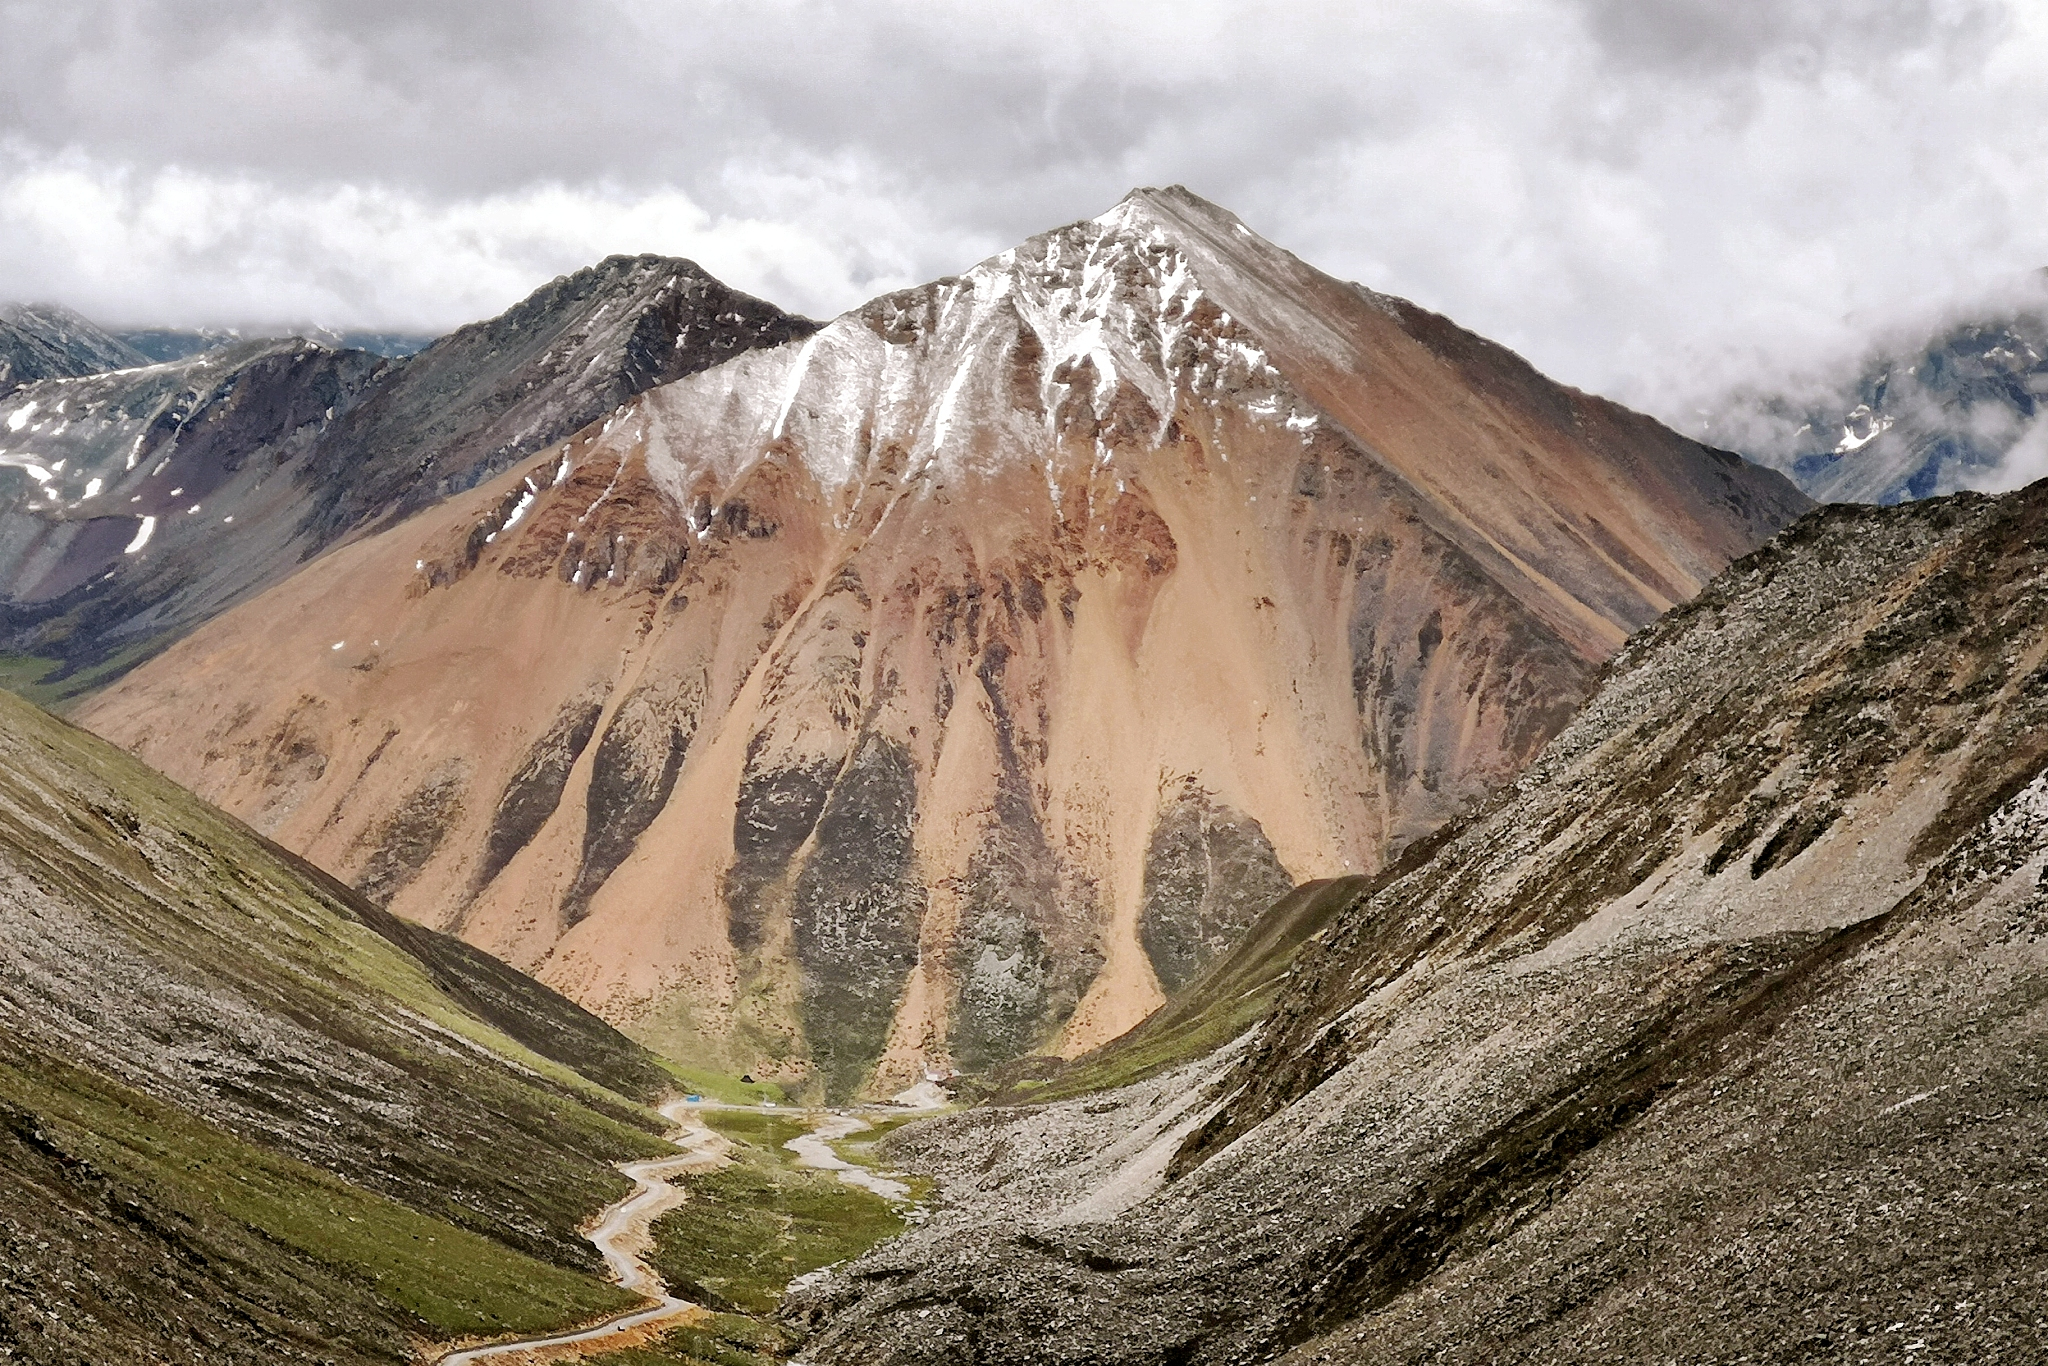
(526, 500)
(142, 535)
(796, 379)
(20, 416)
(337, 645)
(92, 487)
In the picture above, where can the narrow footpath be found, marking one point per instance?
(622, 1233)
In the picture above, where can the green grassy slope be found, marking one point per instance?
(244, 1115)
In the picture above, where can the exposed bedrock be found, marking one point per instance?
(630, 780)
(534, 792)
(856, 913)
(1209, 873)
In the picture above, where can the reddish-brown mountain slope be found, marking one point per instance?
(943, 687)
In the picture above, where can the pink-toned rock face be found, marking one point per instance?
(938, 689)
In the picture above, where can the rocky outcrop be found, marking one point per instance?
(1717, 1036)
(975, 665)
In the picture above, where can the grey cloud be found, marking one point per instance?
(1658, 200)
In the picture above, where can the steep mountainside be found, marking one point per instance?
(245, 1116)
(137, 503)
(945, 687)
(42, 341)
(146, 501)
(1963, 411)
(1721, 1036)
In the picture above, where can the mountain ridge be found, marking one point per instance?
(927, 691)
(161, 494)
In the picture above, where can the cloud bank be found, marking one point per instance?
(1656, 201)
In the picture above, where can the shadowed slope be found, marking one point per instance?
(245, 1116)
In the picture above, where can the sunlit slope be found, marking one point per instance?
(239, 1123)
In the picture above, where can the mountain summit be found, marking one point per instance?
(145, 501)
(946, 685)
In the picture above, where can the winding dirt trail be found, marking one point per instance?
(621, 1235)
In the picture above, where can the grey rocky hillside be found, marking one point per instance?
(135, 505)
(247, 1117)
(1722, 1035)
(44, 341)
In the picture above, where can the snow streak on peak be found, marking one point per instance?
(1075, 345)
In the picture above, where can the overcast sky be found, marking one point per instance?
(1654, 199)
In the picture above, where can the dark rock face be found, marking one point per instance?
(1209, 873)
(43, 341)
(776, 812)
(1719, 1036)
(536, 789)
(409, 835)
(635, 770)
(858, 906)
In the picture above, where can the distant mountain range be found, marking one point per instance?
(43, 341)
(171, 343)
(1960, 410)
